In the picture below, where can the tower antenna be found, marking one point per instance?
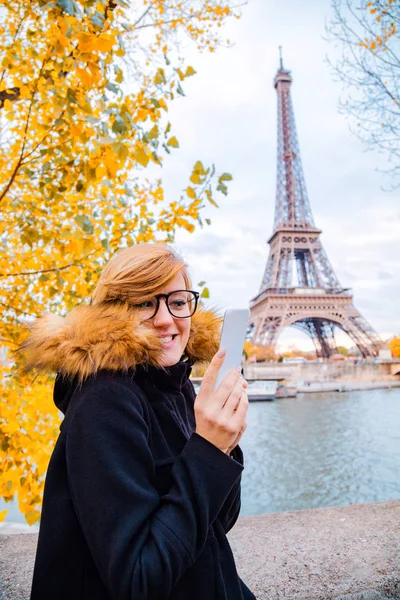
(280, 56)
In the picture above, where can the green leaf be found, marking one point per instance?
(159, 77)
(119, 125)
(71, 96)
(128, 191)
(85, 223)
(112, 87)
(106, 139)
(222, 188)
(201, 283)
(68, 6)
(208, 221)
(120, 150)
(43, 278)
(97, 20)
(119, 74)
(58, 122)
(225, 177)
(205, 293)
(105, 244)
(35, 500)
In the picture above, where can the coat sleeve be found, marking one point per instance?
(141, 543)
(230, 510)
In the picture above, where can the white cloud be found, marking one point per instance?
(229, 116)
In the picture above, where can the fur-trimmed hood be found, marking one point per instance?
(109, 336)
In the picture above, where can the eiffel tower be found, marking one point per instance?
(299, 286)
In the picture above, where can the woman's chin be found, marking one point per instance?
(169, 359)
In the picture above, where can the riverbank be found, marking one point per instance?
(313, 387)
(340, 553)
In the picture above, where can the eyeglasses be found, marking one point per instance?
(180, 304)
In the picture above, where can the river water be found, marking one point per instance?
(317, 450)
(320, 450)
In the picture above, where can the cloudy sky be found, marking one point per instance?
(229, 117)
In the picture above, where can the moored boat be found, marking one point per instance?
(262, 390)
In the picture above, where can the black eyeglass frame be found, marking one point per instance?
(166, 296)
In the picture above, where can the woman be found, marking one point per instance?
(144, 480)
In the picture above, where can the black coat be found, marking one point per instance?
(136, 505)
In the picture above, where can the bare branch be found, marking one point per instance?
(369, 68)
(25, 134)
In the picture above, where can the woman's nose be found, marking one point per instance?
(163, 316)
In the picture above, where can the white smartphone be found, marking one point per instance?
(232, 339)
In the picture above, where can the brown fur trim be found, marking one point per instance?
(205, 333)
(108, 336)
(91, 338)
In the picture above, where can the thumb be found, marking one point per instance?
(210, 376)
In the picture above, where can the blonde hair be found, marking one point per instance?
(138, 273)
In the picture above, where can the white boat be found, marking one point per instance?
(262, 390)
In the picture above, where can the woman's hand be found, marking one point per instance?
(236, 442)
(221, 414)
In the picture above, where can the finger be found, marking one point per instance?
(238, 438)
(233, 399)
(225, 388)
(244, 392)
(210, 376)
(239, 416)
(235, 443)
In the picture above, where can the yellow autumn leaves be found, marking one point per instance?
(382, 13)
(83, 112)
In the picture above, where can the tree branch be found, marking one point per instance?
(21, 156)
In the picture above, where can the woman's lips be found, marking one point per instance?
(168, 340)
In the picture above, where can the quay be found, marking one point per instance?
(339, 553)
(313, 377)
(365, 371)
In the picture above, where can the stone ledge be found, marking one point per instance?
(341, 553)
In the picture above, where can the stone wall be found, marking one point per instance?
(328, 371)
(344, 553)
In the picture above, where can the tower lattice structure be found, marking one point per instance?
(299, 286)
